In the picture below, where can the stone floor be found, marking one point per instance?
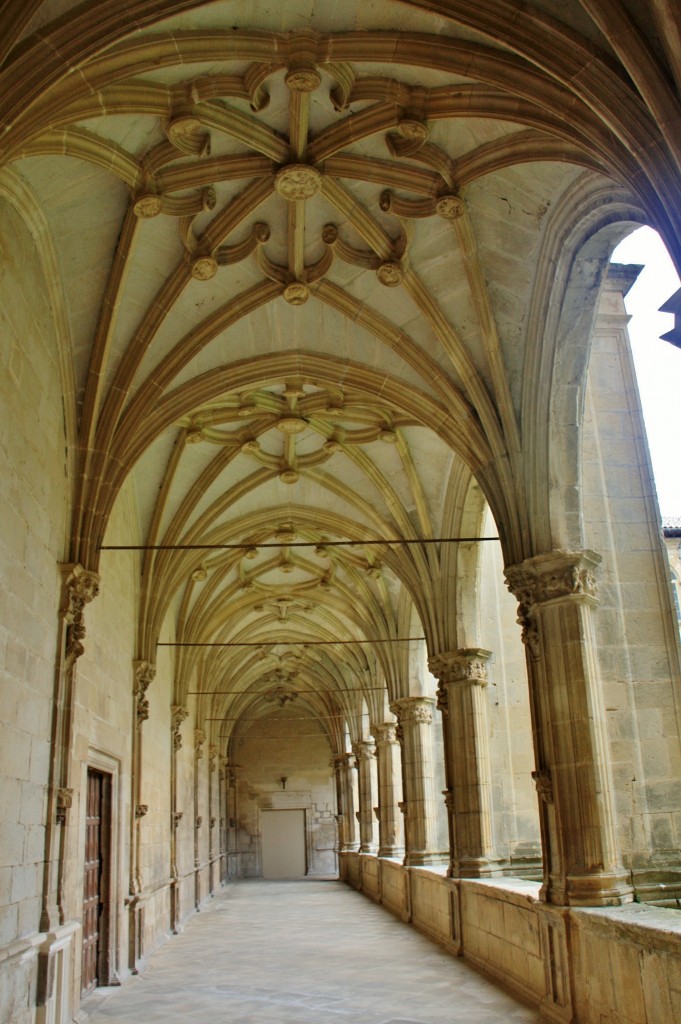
(308, 952)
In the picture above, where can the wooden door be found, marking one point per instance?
(95, 904)
(283, 844)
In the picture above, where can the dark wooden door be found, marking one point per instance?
(94, 901)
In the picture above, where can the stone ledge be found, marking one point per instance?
(635, 922)
(21, 949)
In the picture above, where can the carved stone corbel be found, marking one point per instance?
(145, 673)
(80, 586)
(64, 800)
(177, 717)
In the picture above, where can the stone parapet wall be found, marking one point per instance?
(577, 965)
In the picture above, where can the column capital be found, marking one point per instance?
(554, 575)
(144, 674)
(346, 760)
(364, 750)
(466, 665)
(413, 709)
(79, 587)
(551, 577)
(178, 713)
(384, 732)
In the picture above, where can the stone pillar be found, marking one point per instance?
(144, 674)
(556, 594)
(415, 717)
(199, 740)
(461, 699)
(365, 753)
(390, 824)
(177, 717)
(213, 806)
(343, 766)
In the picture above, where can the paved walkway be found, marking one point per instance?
(309, 952)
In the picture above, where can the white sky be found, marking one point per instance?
(658, 364)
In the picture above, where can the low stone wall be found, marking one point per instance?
(606, 965)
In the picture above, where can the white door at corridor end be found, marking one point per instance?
(283, 843)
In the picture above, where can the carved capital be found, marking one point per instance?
(543, 785)
(141, 810)
(554, 575)
(80, 586)
(198, 823)
(385, 732)
(364, 750)
(177, 818)
(177, 717)
(199, 740)
(212, 758)
(341, 761)
(145, 672)
(413, 709)
(466, 665)
(64, 800)
(550, 577)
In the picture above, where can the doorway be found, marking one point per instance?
(95, 881)
(283, 844)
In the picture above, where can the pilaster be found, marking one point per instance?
(415, 717)
(556, 594)
(462, 676)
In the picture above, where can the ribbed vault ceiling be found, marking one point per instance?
(297, 253)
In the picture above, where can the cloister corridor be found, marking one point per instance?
(302, 952)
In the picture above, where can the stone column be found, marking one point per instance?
(415, 717)
(365, 753)
(343, 766)
(390, 824)
(556, 594)
(177, 717)
(461, 698)
(144, 674)
(199, 740)
(213, 804)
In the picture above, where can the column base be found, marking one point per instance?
(593, 890)
(392, 852)
(475, 867)
(423, 858)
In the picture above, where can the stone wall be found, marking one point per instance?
(620, 965)
(33, 502)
